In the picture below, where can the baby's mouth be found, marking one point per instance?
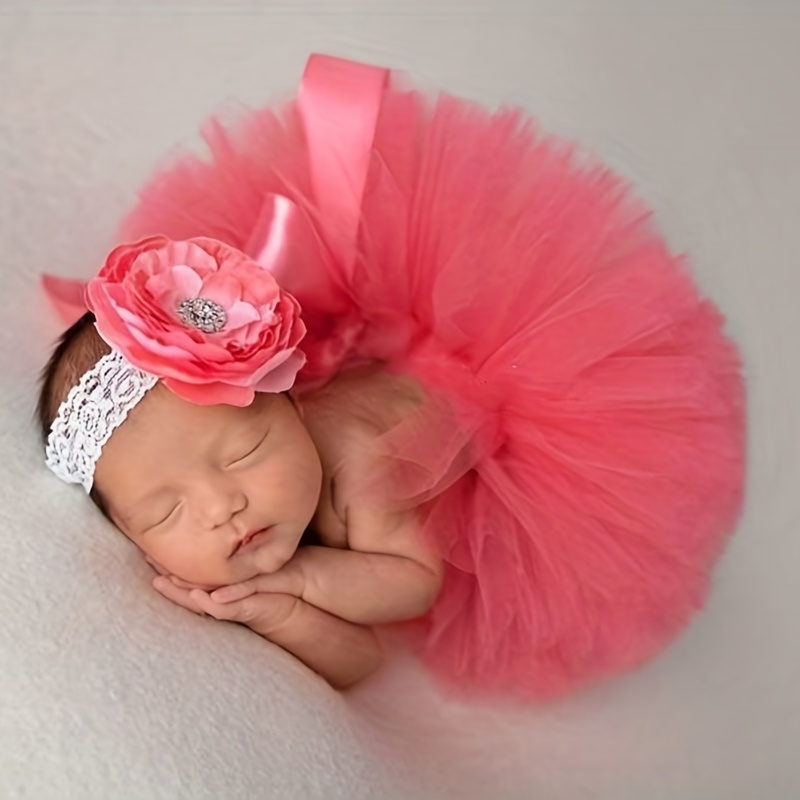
(245, 541)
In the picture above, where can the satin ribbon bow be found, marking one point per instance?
(339, 102)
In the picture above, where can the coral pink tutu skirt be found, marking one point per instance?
(589, 465)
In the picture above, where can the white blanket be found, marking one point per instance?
(107, 691)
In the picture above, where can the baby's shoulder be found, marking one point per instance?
(360, 405)
(346, 419)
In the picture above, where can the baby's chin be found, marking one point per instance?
(264, 560)
(243, 566)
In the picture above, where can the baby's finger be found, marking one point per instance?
(261, 612)
(181, 597)
(246, 610)
(182, 584)
(285, 581)
(236, 591)
(203, 601)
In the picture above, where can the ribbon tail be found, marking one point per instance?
(339, 103)
(67, 295)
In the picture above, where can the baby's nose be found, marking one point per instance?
(219, 501)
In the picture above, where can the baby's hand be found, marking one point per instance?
(290, 579)
(262, 612)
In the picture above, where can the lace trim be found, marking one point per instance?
(92, 411)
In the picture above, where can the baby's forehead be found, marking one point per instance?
(162, 410)
(165, 430)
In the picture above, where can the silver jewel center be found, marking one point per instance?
(203, 314)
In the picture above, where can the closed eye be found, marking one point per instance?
(164, 518)
(250, 452)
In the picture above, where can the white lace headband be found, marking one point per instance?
(92, 411)
(244, 331)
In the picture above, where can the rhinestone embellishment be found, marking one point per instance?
(203, 314)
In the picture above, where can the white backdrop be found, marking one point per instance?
(108, 692)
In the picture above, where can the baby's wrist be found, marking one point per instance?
(275, 627)
(300, 571)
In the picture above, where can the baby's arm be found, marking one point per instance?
(388, 576)
(342, 652)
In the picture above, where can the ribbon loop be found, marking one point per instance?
(339, 103)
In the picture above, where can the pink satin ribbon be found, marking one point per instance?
(67, 296)
(339, 102)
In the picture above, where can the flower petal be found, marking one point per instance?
(241, 314)
(224, 289)
(189, 252)
(282, 377)
(181, 281)
(211, 394)
(135, 300)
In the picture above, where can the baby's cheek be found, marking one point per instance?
(188, 566)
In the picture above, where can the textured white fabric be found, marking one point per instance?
(93, 409)
(108, 692)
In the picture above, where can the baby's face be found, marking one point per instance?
(190, 485)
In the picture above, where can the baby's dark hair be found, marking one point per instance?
(78, 350)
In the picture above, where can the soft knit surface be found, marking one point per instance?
(107, 691)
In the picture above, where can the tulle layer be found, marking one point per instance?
(582, 462)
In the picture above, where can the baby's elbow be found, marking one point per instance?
(366, 669)
(428, 587)
(368, 662)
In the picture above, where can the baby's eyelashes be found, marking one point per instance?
(250, 451)
(162, 518)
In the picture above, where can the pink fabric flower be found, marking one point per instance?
(202, 316)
